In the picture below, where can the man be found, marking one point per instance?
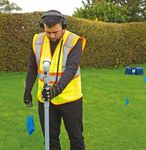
(64, 49)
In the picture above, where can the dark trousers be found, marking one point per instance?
(71, 113)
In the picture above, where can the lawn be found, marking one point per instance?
(109, 124)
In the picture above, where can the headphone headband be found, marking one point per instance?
(54, 13)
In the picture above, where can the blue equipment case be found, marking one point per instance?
(134, 70)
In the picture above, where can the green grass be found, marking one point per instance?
(108, 123)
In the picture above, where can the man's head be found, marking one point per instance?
(53, 23)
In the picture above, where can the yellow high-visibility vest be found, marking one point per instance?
(42, 50)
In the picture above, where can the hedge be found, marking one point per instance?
(108, 44)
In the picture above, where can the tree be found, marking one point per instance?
(6, 6)
(113, 10)
(103, 11)
(92, 2)
(136, 8)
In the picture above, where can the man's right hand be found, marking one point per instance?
(27, 99)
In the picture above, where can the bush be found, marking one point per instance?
(111, 44)
(108, 44)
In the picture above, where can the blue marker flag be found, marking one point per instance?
(126, 101)
(30, 124)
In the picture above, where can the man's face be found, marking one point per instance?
(54, 33)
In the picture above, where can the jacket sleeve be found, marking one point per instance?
(73, 61)
(31, 75)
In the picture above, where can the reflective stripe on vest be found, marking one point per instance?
(53, 78)
(66, 51)
(38, 45)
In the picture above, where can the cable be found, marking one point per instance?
(58, 62)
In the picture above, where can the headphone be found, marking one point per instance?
(53, 13)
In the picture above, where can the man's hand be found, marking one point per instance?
(50, 92)
(27, 99)
(28, 103)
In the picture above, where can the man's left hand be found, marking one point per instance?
(50, 92)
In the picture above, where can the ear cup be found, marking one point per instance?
(53, 13)
(41, 23)
(64, 23)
